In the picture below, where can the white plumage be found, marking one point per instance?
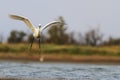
(36, 30)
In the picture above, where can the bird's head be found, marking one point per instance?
(39, 26)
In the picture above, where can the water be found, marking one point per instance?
(58, 71)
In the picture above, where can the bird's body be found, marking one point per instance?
(36, 33)
(36, 30)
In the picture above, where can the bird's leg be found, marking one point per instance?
(32, 42)
(39, 43)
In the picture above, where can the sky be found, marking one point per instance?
(80, 15)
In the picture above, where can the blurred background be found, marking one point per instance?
(89, 28)
(79, 49)
(81, 17)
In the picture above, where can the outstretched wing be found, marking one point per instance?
(50, 24)
(27, 22)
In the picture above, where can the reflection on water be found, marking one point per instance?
(59, 71)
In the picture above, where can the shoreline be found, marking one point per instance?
(60, 58)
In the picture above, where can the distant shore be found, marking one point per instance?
(60, 53)
(60, 58)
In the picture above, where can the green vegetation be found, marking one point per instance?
(61, 49)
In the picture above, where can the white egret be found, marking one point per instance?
(36, 30)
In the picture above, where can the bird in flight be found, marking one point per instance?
(37, 31)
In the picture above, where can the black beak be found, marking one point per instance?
(39, 26)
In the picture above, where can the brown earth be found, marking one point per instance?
(60, 58)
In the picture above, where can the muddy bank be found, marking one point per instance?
(60, 58)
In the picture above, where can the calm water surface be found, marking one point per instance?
(59, 71)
